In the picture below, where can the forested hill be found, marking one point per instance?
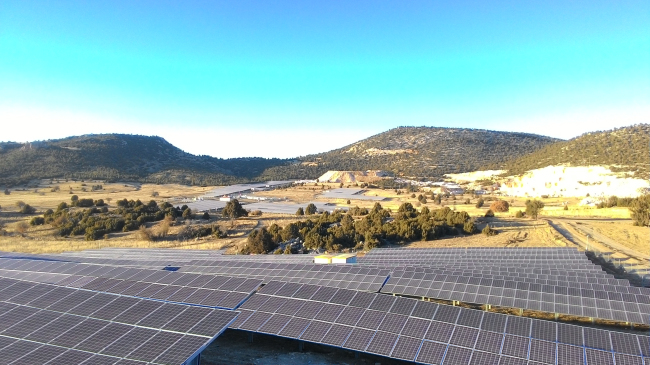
(406, 151)
(624, 149)
(423, 152)
(116, 157)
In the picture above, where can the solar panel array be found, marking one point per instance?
(617, 304)
(197, 289)
(49, 324)
(240, 188)
(426, 332)
(203, 205)
(113, 295)
(348, 193)
(338, 276)
(291, 208)
(554, 280)
(511, 257)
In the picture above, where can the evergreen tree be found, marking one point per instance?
(234, 209)
(534, 208)
(311, 209)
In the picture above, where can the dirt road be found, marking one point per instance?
(579, 232)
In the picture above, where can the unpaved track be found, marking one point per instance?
(577, 231)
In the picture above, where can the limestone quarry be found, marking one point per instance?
(352, 176)
(564, 181)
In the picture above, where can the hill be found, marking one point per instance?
(421, 152)
(115, 157)
(622, 149)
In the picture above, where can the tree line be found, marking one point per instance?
(337, 231)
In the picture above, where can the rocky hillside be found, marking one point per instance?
(121, 157)
(624, 149)
(422, 152)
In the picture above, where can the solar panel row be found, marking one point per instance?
(425, 332)
(207, 290)
(340, 276)
(58, 325)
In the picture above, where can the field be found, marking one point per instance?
(511, 231)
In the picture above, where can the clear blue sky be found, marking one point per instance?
(288, 78)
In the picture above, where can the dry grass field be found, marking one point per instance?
(634, 237)
(512, 231)
(42, 197)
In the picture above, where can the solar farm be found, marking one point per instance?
(351, 194)
(424, 306)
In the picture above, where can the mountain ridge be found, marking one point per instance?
(414, 152)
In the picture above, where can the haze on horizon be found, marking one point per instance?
(283, 79)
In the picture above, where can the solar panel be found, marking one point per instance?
(350, 315)
(359, 339)
(464, 336)
(598, 357)
(382, 343)
(481, 358)
(294, 328)
(489, 341)
(154, 346)
(275, 324)
(515, 346)
(70, 357)
(315, 331)
(104, 337)
(457, 355)
(542, 351)
(181, 350)
(337, 335)
(628, 359)
(439, 331)
(431, 353)
(371, 319)
(415, 327)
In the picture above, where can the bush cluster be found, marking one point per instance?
(94, 223)
(336, 231)
(500, 206)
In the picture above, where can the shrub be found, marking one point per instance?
(640, 211)
(145, 234)
(187, 213)
(233, 209)
(37, 221)
(27, 209)
(205, 216)
(468, 227)
(84, 203)
(519, 214)
(489, 213)
(300, 212)
(479, 203)
(488, 231)
(500, 206)
(22, 227)
(534, 208)
(260, 241)
(311, 209)
(255, 213)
